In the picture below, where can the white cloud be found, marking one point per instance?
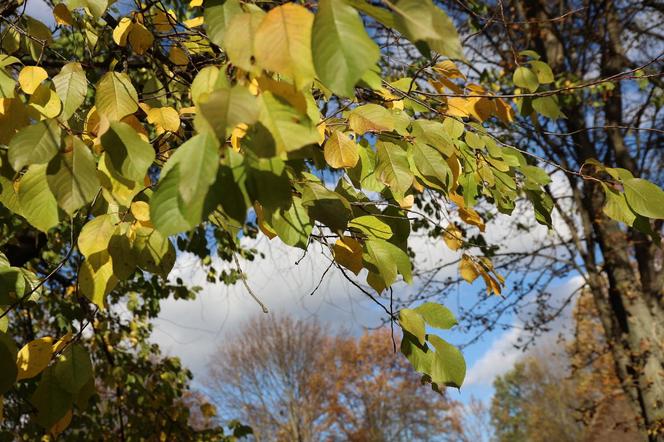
(503, 352)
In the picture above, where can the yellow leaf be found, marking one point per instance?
(504, 111)
(62, 424)
(448, 69)
(470, 216)
(195, 3)
(457, 107)
(260, 219)
(407, 202)
(348, 253)
(453, 237)
(164, 118)
(340, 151)
(30, 78)
(121, 31)
(188, 110)
(283, 43)
(237, 134)
(62, 342)
(45, 101)
(321, 132)
(96, 278)
(95, 235)
(62, 15)
(194, 22)
(443, 83)
(140, 38)
(178, 57)
(140, 210)
(468, 269)
(34, 357)
(164, 22)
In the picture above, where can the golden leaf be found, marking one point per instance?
(34, 357)
(348, 253)
(30, 78)
(121, 31)
(62, 15)
(140, 38)
(468, 270)
(453, 237)
(340, 151)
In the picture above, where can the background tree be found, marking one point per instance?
(294, 380)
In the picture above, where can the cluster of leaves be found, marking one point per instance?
(140, 149)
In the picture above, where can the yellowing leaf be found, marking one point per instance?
(340, 151)
(116, 96)
(348, 253)
(458, 107)
(140, 38)
(194, 22)
(96, 278)
(30, 78)
(453, 237)
(470, 216)
(34, 357)
(62, 342)
(45, 102)
(140, 210)
(163, 21)
(164, 118)
(178, 56)
(448, 69)
(468, 269)
(121, 31)
(195, 3)
(95, 235)
(260, 220)
(370, 118)
(62, 15)
(283, 43)
(63, 423)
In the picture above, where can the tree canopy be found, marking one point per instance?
(132, 132)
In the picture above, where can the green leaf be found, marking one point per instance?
(183, 198)
(50, 399)
(381, 15)
(420, 356)
(372, 226)
(116, 97)
(342, 50)
(155, 252)
(34, 144)
(290, 128)
(427, 27)
(293, 226)
(72, 177)
(12, 285)
(38, 205)
(7, 85)
(73, 369)
(388, 259)
(644, 197)
(548, 106)
(412, 322)
(71, 86)
(616, 206)
(207, 80)
(370, 118)
(227, 107)
(165, 210)
(542, 71)
(392, 168)
(431, 165)
(8, 369)
(326, 206)
(436, 134)
(448, 367)
(525, 78)
(218, 15)
(129, 155)
(436, 315)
